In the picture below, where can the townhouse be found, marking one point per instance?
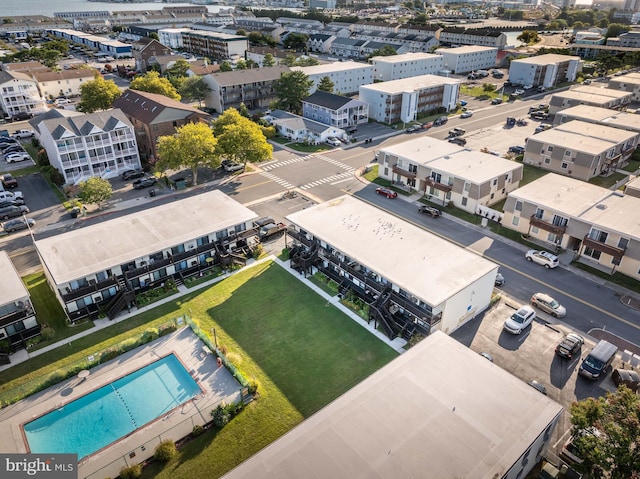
(403, 100)
(601, 116)
(451, 36)
(214, 45)
(591, 52)
(402, 43)
(414, 281)
(252, 87)
(544, 70)
(18, 321)
(335, 110)
(99, 269)
(581, 150)
(104, 45)
(627, 39)
(100, 144)
(628, 83)
(301, 129)
(449, 174)
(589, 95)
(153, 116)
(146, 48)
(19, 95)
(600, 226)
(347, 77)
(52, 84)
(468, 58)
(320, 42)
(396, 67)
(347, 47)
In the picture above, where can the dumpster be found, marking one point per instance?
(152, 192)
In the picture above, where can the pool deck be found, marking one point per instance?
(217, 383)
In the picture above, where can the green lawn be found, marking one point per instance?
(301, 351)
(531, 173)
(607, 181)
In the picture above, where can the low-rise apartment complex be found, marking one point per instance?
(628, 83)
(544, 70)
(470, 36)
(19, 95)
(335, 110)
(403, 100)
(469, 58)
(53, 84)
(581, 150)
(214, 45)
(397, 67)
(450, 174)
(589, 95)
(347, 77)
(601, 116)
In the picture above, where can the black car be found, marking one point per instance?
(21, 116)
(144, 182)
(440, 121)
(458, 141)
(430, 210)
(132, 174)
(9, 147)
(570, 346)
(518, 150)
(14, 202)
(5, 140)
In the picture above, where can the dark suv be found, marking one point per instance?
(132, 174)
(440, 121)
(12, 211)
(458, 141)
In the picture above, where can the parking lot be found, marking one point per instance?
(531, 356)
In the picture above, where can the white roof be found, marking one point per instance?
(331, 67)
(593, 94)
(616, 119)
(616, 212)
(596, 130)
(561, 193)
(575, 141)
(426, 265)
(79, 253)
(465, 49)
(631, 78)
(405, 57)
(12, 288)
(439, 410)
(545, 59)
(440, 155)
(411, 84)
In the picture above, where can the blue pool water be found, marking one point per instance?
(105, 415)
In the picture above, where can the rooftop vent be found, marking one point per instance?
(601, 206)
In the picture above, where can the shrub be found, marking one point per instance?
(220, 416)
(197, 430)
(165, 451)
(109, 354)
(167, 329)
(131, 472)
(47, 333)
(149, 335)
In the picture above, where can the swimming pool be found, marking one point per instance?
(105, 415)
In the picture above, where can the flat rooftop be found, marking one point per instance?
(596, 95)
(573, 140)
(332, 67)
(413, 416)
(616, 212)
(561, 193)
(597, 130)
(84, 251)
(475, 166)
(631, 78)
(422, 263)
(411, 84)
(615, 119)
(465, 49)
(546, 59)
(406, 57)
(11, 286)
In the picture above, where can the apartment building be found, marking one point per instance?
(468, 58)
(544, 70)
(172, 37)
(319, 42)
(451, 36)
(628, 83)
(397, 67)
(627, 39)
(17, 315)
(599, 225)
(100, 144)
(347, 47)
(424, 279)
(601, 116)
(104, 45)
(19, 95)
(52, 84)
(347, 77)
(589, 95)
(581, 150)
(252, 87)
(335, 110)
(450, 174)
(102, 267)
(145, 49)
(403, 100)
(214, 45)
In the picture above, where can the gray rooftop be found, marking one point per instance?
(547, 59)
(597, 130)
(430, 267)
(84, 251)
(411, 84)
(85, 124)
(253, 75)
(12, 288)
(439, 410)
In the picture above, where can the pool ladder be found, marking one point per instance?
(126, 408)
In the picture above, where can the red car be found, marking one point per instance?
(386, 192)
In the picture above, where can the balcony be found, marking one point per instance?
(545, 225)
(16, 316)
(403, 172)
(93, 287)
(437, 185)
(617, 253)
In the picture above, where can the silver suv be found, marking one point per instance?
(549, 305)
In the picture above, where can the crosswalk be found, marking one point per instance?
(267, 171)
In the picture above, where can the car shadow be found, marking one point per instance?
(512, 342)
(586, 388)
(561, 370)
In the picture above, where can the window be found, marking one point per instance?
(547, 161)
(515, 221)
(539, 213)
(437, 177)
(559, 221)
(564, 165)
(623, 243)
(552, 238)
(534, 230)
(592, 253)
(494, 182)
(550, 148)
(599, 236)
(518, 206)
(464, 201)
(567, 152)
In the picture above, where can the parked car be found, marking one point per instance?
(518, 150)
(544, 258)
(6, 146)
(570, 346)
(21, 116)
(5, 140)
(519, 320)
(466, 114)
(18, 224)
(510, 121)
(519, 92)
(132, 174)
(442, 120)
(21, 134)
(430, 210)
(145, 182)
(496, 101)
(463, 103)
(487, 356)
(332, 141)
(542, 127)
(458, 141)
(427, 125)
(457, 131)
(232, 166)
(537, 385)
(629, 378)
(413, 129)
(13, 211)
(540, 115)
(13, 149)
(17, 156)
(499, 281)
(541, 89)
(14, 202)
(387, 192)
(61, 101)
(8, 181)
(549, 305)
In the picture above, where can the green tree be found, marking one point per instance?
(243, 110)
(95, 191)
(178, 69)
(325, 84)
(154, 35)
(97, 94)
(192, 146)
(256, 38)
(240, 139)
(528, 36)
(615, 451)
(153, 83)
(195, 89)
(241, 65)
(225, 66)
(296, 41)
(268, 60)
(291, 88)
(616, 29)
(385, 51)
(290, 60)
